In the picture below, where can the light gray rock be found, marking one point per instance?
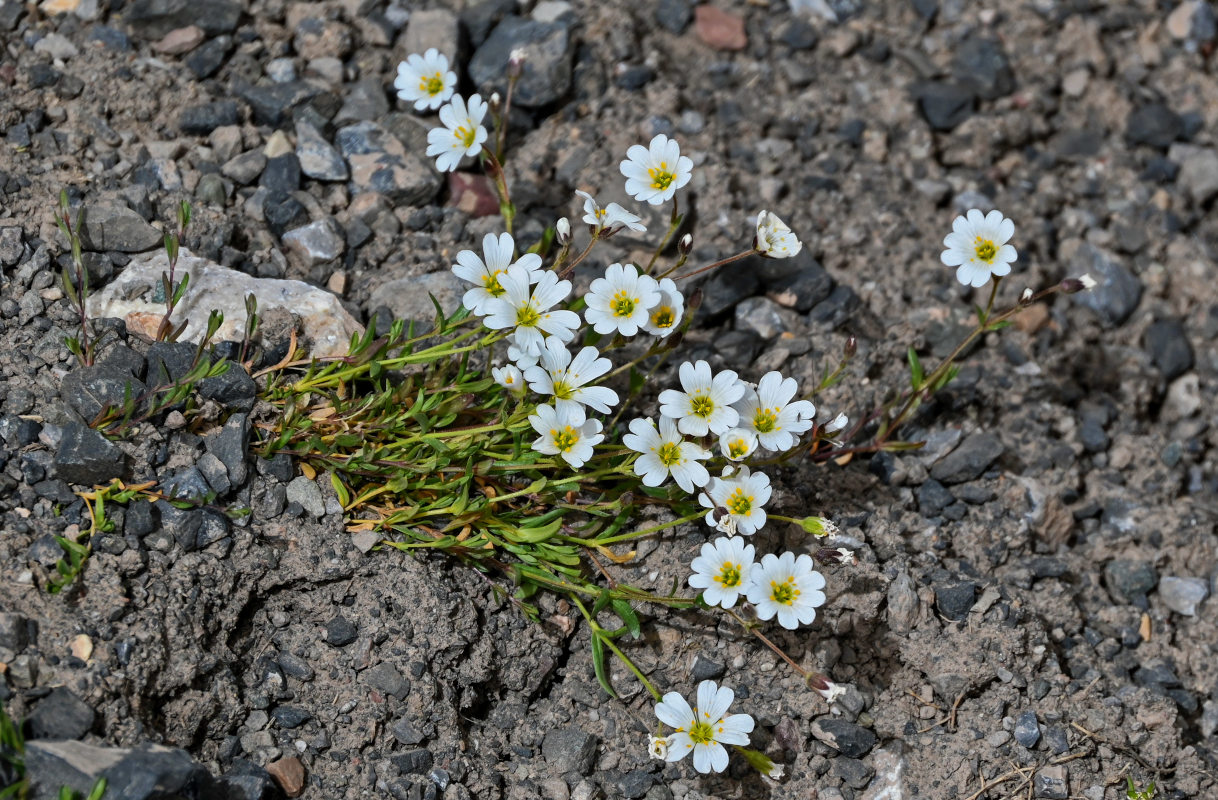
(315, 243)
(380, 163)
(1198, 171)
(408, 298)
(109, 226)
(134, 297)
(318, 158)
(1183, 595)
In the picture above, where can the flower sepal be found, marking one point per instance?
(761, 762)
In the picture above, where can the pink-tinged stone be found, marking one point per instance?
(181, 40)
(473, 194)
(719, 29)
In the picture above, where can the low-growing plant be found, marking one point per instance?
(13, 773)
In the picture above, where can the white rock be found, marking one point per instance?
(1182, 595)
(135, 296)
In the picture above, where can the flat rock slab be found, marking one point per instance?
(135, 297)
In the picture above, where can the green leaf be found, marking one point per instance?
(627, 615)
(997, 326)
(602, 602)
(180, 289)
(598, 665)
(915, 370)
(340, 489)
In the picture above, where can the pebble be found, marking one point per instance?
(180, 40)
(211, 191)
(718, 29)
(1198, 171)
(86, 458)
(438, 28)
(1153, 124)
(408, 298)
(202, 119)
(981, 64)
(944, 105)
(933, 497)
(386, 678)
(318, 242)
(340, 632)
(1127, 580)
(761, 315)
(109, 226)
(704, 668)
(1169, 348)
(570, 749)
(290, 716)
(206, 59)
(60, 715)
(413, 762)
(1117, 291)
(1027, 732)
(317, 157)
(295, 666)
(56, 45)
(304, 491)
(1051, 783)
(289, 773)
(674, 15)
(955, 598)
(1183, 595)
(281, 70)
(549, 50)
(851, 740)
(969, 459)
(272, 104)
(380, 163)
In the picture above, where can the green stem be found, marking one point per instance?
(607, 642)
(637, 534)
(674, 222)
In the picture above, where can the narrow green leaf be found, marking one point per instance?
(598, 665)
(915, 369)
(627, 615)
(637, 379)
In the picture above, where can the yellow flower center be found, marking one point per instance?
(466, 135)
(509, 379)
(562, 390)
(784, 592)
(661, 178)
(565, 439)
(702, 733)
(669, 454)
(986, 251)
(737, 448)
(432, 85)
(491, 283)
(729, 575)
(622, 304)
(701, 405)
(739, 503)
(765, 420)
(663, 317)
(527, 317)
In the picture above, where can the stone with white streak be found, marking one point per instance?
(136, 297)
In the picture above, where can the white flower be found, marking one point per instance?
(742, 495)
(657, 746)
(704, 730)
(1088, 282)
(484, 274)
(837, 423)
(829, 690)
(665, 315)
(508, 377)
(563, 378)
(977, 247)
(722, 571)
(562, 230)
(529, 313)
(654, 173)
(737, 444)
(706, 403)
(788, 587)
(770, 414)
(665, 452)
(774, 239)
(611, 219)
(462, 134)
(566, 434)
(425, 80)
(620, 301)
(519, 357)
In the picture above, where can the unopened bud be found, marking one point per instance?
(562, 231)
(516, 62)
(686, 244)
(1088, 282)
(818, 526)
(825, 687)
(837, 423)
(626, 500)
(836, 555)
(495, 102)
(852, 347)
(694, 300)
(1075, 285)
(1026, 296)
(673, 341)
(719, 513)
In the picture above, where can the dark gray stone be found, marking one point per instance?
(635, 783)
(1169, 348)
(281, 174)
(955, 598)
(87, 458)
(208, 57)
(60, 715)
(182, 524)
(379, 162)
(187, 483)
(234, 389)
(169, 362)
(1153, 124)
(969, 460)
(480, 16)
(852, 741)
(386, 678)
(1117, 291)
(1057, 739)
(856, 774)
(406, 732)
(283, 212)
(202, 119)
(318, 158)
(231, 446)
(705, 668)
(413, 762)
(140, 519)
(1093, 436)
(91, 390)
(216, 474)
(944, 105)
(364, 100)
(295, 666)
(569, 749)
(108, 226)
(14, 632)
(802, 276)
(738, 347)
(290, 716)
(340, 632)
(248, 781)
(546, 76)
(1183, 595)
(933, 497)
(837, 308)
(152, 19)
(727, 287)
(1128, 580)
(273, 104)
(148, 772)
(1027, 731)
(980, 64)
(1051, 783)
(674, 15)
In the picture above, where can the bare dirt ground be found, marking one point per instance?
(1033, 612)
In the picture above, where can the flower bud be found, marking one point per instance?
(562, 231)
(626, 500)
(1088, 282)
(694, 300)
(719, 513)
(685, 244)
(835, 555)
(1074, 285)
(825, 687)
(495, 101)
(516, 62)
(818, 526)
(1026, 296)
(852, 347)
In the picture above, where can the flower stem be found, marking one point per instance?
(721, 262)
(674, 222)
(607, 642)
(637, 534)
